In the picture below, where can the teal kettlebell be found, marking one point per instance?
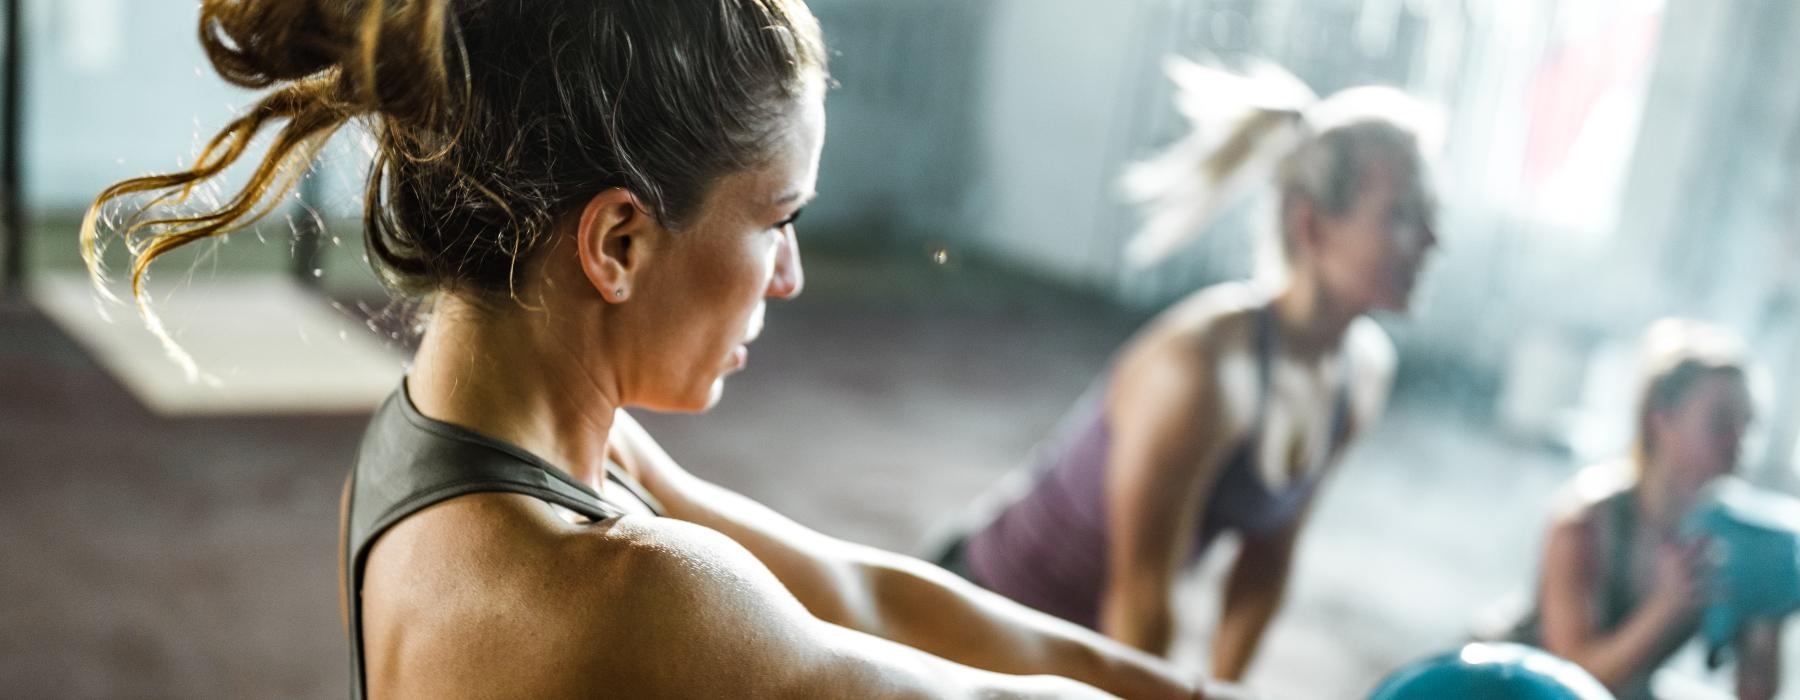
(1492, 671)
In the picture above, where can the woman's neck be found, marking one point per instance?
(507, 373)
(1310, 324)
(1658, 502)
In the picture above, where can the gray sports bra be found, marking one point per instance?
(409, 462)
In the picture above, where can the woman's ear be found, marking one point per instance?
(611, 238)
(1300, 225)
(1657, 424)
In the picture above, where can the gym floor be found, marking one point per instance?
(155, 557)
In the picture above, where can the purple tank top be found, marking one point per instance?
(1048, 548)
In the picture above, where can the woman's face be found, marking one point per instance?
(1369, 257)
(1698, 439)
(702, 301)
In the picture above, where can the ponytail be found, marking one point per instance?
(332, 61)
(1242, 126)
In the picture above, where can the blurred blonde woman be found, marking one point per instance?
(1621, 588)
(1226, 413)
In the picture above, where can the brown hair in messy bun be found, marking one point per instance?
(491, 119)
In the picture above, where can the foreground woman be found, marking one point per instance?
(596, 198)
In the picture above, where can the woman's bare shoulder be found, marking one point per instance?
(1580, 500)
(1202, 349)
(1207, 328)
(1220, 308)
(1578, 507)
(1576, 538)
(500, 591)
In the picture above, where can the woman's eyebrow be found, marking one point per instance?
(792, 196)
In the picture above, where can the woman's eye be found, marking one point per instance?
(784, 223)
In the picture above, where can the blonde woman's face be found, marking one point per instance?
(1371, 255)
(1699, 439)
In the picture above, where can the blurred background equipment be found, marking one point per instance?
(1757, 536)
(1492, 672)
(12, 220)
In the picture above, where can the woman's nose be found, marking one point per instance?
(789, 276)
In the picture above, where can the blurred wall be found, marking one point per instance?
(118, 88)
(899, 150)
(114, 89)
(1058, 81)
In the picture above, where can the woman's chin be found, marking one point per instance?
(697, 400)
(703, 401)
(713, 394)
(1400, 299)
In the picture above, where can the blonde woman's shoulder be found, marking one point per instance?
(1214, 322)
(1591, 486)
(1214, 304)
(1206, 340)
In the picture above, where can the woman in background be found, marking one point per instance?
(1227, 412)
(1621, 588)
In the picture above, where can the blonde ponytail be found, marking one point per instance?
(1242, 126)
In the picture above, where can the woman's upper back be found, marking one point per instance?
(482, 585)
(495, 595)
(474, 568)
(446, 530)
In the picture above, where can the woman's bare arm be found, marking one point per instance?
(895, 597)
(1253, 594)
(1258, 582)
(704, 618)
(1759, 660)
(495, 595)
(1569, 615)
(1172, 430)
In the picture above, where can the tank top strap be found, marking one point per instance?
(1344, 402)
(409, 462)
(1342, 399)
(618, 475)
(1265, 367)
(1620, 529)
